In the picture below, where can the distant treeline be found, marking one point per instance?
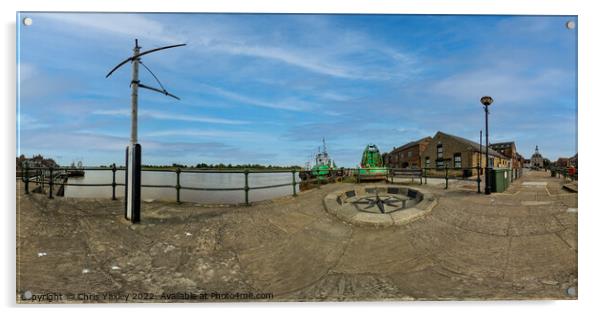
(215, 166)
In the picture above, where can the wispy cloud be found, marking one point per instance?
(170, 116)
(123, 24)
(253, 101)
(235, 135)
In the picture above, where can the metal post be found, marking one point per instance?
(446, 168)
(246, 187)
(425, 174)
(294, 184)
(113, 184)
(50, 183)
(133, 174)
(26, 178)
(487, 182)
(479, 162)
(357, 175)
(178, 171)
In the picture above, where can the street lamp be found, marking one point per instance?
(487, 101)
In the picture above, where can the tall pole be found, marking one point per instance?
(133, 153)
(487, 101)
(135, 81)
(487, 168)
(480, 159)
(134, 150)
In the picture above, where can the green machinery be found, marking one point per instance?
(372, 165)
(323, 168)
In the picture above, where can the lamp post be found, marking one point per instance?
(480, 159)
(487, 101)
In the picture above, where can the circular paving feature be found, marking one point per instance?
(381, 205)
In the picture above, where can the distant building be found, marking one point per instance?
(459, 153)
(408, 155)
(527, 163)
(537, 159)
(562, 162)
(36, 162)
(508, 149)
(573, 161)
(521, 160)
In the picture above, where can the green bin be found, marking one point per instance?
(499, 179)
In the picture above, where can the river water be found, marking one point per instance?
(202, 180)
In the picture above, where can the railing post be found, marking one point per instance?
(478, 179)
(246, 187)
(294, 184)
(50, 183)
(446, 176)
(113, 184)
(178, 171)
(26, 178)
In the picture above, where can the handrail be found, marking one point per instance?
(39, 176)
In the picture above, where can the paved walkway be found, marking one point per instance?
(521, 244)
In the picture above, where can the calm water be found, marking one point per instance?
(206, 180)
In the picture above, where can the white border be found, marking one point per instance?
(589, 127)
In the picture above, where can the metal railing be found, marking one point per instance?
(59, 176)
(49, 176)
(476, 174)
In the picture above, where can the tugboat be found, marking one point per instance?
(372, 166)
(323, 168)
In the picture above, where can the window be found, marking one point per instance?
(440, 164)
(440, 151)
(457, 160)
(409, 154)
(427, 162)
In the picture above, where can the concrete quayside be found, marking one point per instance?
(521, 244)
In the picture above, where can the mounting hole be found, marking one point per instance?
(27, 21)
(27, 295)
(570, 25)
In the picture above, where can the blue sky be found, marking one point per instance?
(265, 89)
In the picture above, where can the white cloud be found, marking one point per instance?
(128, 25)
(506, 85)
(170, 116)
(207, 133)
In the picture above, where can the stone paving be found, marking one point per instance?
(521, 244)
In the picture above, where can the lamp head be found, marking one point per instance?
(486, 100)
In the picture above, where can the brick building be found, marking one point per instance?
(408, 155)
(459, 154)
(508, 149)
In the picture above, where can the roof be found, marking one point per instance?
(414, 143)
(474, 146)
(502, 145)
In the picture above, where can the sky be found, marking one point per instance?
(266, 88)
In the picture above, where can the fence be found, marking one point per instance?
(59, 176)
(49, 176)
(476, 174)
